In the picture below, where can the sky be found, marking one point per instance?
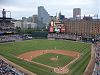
(26, 8)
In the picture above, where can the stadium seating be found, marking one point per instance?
(7, 69)
(62, 36)
(97, 57)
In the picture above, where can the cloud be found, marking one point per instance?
(29, 7)
(15, 8)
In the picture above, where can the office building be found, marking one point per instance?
(76, 13)
(61, 17)
(29, 19)
(18, 23)
(24, 18)
(35, 19)
(43, 17)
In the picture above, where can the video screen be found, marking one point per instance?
(56, 27)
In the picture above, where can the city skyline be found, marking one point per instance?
(28, 8)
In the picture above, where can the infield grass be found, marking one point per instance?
(61, 61)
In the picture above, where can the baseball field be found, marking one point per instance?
(49, 57)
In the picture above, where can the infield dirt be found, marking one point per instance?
(28, 56)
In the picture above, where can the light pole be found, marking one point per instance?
(7, 11)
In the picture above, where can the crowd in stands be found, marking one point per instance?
(7, 69)
(63, 36)
(71, 37)
(98, 37)
(6, 24)
(9, 38)
(97, 53)
(97, 57)
(6, 27)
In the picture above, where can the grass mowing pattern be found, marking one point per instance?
(12, 49)
(45, 59)
(80, 65)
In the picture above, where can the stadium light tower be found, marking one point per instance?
(9, 12)
(4, 13)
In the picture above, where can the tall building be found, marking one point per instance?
(24, 18)
(61, 17)
(76, 13)
(29, 19)
(43, 17)
(18, 23)
(35, 19)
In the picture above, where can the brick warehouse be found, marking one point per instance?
(86, 26)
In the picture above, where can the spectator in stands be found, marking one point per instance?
(7, 69)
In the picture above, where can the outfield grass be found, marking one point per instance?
(45, 59)
(11, 50)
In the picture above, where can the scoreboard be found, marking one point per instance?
(56, 27)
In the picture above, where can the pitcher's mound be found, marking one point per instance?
(53, 59)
